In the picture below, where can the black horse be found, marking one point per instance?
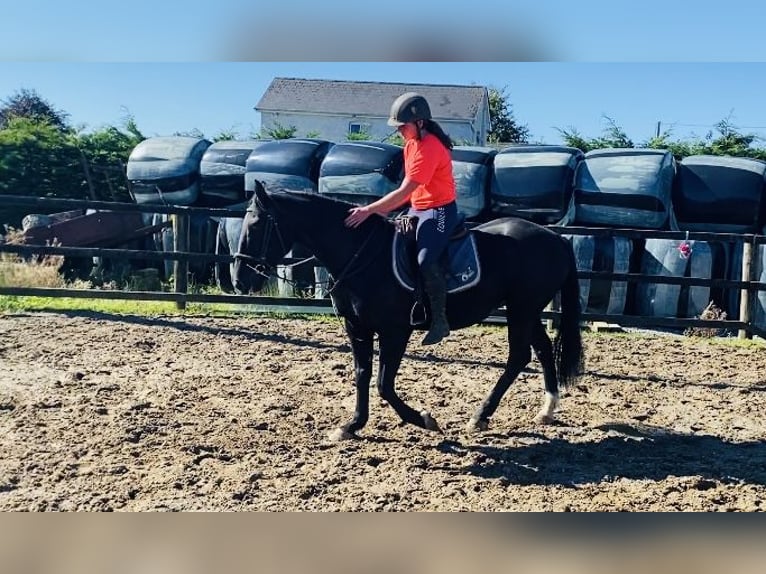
(523, 266)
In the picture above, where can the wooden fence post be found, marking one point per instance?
(744, 302)
(180, 243)
(88, 176)
(550, 324)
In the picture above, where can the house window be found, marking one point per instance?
(358, 128)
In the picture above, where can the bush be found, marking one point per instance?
(711, 313)
(38, 271)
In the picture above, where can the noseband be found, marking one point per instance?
(259, 263)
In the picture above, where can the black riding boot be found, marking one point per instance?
(436, 288)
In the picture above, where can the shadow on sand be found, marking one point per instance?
(636, 452)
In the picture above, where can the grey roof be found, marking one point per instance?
(374, 99)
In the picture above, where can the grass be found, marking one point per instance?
(727, 341)
(15, 304)
(39, 272)
(45, 272)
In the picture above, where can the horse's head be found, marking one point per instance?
(263, 242)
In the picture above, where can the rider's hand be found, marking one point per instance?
(357, 215)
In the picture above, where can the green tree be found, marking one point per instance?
(106, 152)
(192, 133)
(278, 132)
(613, 136)
(38, 159)
(723, 139)
(362, 136)
(731, 142)
(40, 156)
(29, 104)
(225, 135)
(504, 128)
(680, 149)
(573, 138)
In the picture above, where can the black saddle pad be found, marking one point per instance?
(464, 269)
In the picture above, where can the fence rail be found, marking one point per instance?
(71, 204)
(181, 258)
(325, 305)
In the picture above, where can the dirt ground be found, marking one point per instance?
(106, 412)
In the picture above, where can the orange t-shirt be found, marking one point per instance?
(428, 163)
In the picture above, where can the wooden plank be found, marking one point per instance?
(604, 327)
(49, 203)
(90, 229)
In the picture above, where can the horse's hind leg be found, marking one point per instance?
(392, 347)
(519, 355)
(544, 351)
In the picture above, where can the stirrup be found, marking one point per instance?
(417, 314)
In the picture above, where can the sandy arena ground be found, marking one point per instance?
(107, 412)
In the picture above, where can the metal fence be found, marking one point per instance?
(181, 257)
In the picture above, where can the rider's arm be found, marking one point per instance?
(395, 198)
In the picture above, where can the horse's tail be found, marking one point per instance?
(567, 345)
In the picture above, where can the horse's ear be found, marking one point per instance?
(261, 195)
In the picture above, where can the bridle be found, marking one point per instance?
(260, 265)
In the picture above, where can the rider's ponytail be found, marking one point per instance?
(437, 130)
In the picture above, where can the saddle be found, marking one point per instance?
(462, 267)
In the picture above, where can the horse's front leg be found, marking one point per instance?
(392, 347)
(361, 346)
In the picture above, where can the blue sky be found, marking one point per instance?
(176, 66)
(688, 98)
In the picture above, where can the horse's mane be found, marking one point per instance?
(314, 198)
(325, 208)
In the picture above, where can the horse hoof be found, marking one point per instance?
(475, 426)
(543, 419)
(430, 422)
(339, 434)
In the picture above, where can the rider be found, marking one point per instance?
(430, 187)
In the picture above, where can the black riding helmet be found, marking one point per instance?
(409, 107)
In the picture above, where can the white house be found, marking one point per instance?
(333, 109)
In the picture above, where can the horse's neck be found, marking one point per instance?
(335, 246)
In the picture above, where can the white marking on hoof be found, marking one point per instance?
(430, 422)
(475, 426)
(543, 419)
(545, 416)
(339, 434)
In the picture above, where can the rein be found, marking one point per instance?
(346, 271)
(261, 266)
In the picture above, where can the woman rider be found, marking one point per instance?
(429, 186)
